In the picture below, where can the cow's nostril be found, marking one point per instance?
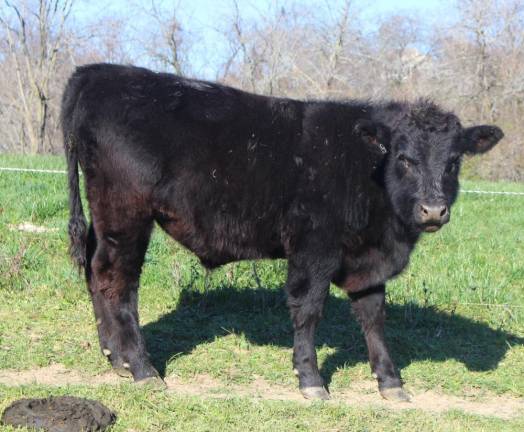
(431, 213)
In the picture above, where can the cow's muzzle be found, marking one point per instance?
(431, 216)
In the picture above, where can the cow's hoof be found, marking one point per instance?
(153, 383)
(122, 372)
(315, 393)
(395, 394)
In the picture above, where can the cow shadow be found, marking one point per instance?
(414, 332)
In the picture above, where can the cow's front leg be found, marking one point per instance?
(369, 308)
(307, 288)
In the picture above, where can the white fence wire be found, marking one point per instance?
(45, 171)
(491, 192)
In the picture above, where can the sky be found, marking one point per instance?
(202, 17)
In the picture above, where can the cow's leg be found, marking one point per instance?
(307, 287)
(116, 252)
(369, 309)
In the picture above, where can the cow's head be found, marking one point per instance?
(421, 174)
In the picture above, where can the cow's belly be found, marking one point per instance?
(223, 239)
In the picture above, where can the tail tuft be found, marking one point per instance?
(78, 238)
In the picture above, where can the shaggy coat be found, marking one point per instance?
(342, 190)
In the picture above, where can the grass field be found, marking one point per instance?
(455, 327)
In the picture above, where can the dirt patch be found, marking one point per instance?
(360, 394)
(55, 375)
(29, 227)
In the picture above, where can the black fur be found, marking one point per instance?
(77, 222)
(336, 188)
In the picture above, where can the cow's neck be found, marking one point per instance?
(378, 252)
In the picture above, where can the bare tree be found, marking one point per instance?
(264, 51)
(477, 70)
(107, 39)
(35, 34)
(334, 55)
(163, 40)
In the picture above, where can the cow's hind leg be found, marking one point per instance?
(116, 249)
(307, 287)
(369, 309)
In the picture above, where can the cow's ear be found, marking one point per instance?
(479, 139)
(376, 135)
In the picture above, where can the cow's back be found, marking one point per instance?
(217, 161)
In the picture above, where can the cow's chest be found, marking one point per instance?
(373, 265)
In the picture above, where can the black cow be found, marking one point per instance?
(343, 190)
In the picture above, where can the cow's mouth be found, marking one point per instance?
(431, 228)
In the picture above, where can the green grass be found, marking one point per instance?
(159, 411)
(455, 320)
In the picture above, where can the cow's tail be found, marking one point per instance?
(77, 222)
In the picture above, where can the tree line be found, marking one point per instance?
(472, 63)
